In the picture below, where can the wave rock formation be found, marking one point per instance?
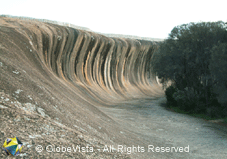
(106, 69)
(68, 73)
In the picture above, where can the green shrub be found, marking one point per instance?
(190, 101)
(187, 100)
(225, 120)
(169, 96)
(216, 109)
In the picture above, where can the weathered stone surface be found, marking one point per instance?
(55, 77)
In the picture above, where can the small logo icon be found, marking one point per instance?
(12, 146)
(39, 148)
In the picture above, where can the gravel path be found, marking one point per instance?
(155, 125)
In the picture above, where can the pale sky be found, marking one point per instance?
(144, 18)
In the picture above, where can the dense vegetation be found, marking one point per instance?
(192, 66)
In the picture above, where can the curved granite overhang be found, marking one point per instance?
(100, 69)
(55, 81)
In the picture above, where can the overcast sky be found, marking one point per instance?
(145, 18)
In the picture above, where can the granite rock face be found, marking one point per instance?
(106, 70)
(55, 77)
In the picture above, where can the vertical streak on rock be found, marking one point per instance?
(102, 69)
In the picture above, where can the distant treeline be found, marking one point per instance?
(192, 66)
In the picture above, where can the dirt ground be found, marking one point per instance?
(164, 128)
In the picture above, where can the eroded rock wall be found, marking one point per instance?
(103, 69)
(54, 79)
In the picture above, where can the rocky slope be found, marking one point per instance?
(54, 78)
